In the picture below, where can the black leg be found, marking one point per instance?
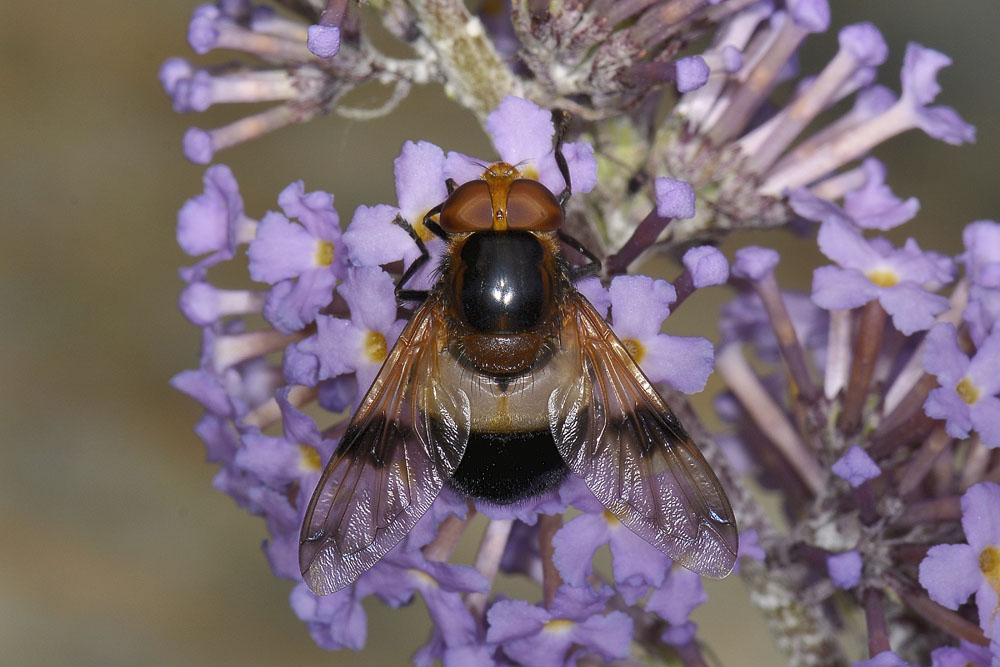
(578, 272)
(451, 185)
(434, 227)
(410, 294)
(561, 120)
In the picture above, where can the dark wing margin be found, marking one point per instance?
(616, 432)
(406, 438)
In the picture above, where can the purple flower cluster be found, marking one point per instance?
(872, 406)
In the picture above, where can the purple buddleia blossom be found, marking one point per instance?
(867, 271)
(543, 637)
(845, 569)
(749, 548)
(874, 206)
(982, 267)
(692, 73)
(213, 222)
(967, 398)
(335, 621)
(707, 266)
(639, 305)
(636, 564)
(301, 260)
(324, 40)
(856, 467)
(961, 656)
(677, 597)
(953, 572)
(754, 262)
(372, 238)
(674, 198)
(359, 344)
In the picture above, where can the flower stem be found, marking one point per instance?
(934, 613)
(788, 342)
(449, 533)
(768, 415)
(476, 75)
(643, 237)
(920, 464)
(867, 344)
(488, 561)
(948, 508)
(551, 579)
(878, 638)
(268, 412)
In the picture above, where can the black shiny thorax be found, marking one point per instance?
(502, 282)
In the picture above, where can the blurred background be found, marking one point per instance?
(114, 548)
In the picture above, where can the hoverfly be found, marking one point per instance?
(505, 381)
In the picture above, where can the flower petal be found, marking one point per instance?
(950, 573)
(834, 288)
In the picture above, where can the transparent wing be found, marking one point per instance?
(405, 439)
(615, 431)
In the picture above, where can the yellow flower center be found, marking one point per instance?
(375, 347)
(989, 565)
(635, 349)
(421, 230)
(310, 458)
(883, 277)
(610, 518)
(967, 391)
(324, 253)
(559, 625)
(529, 171)
(424, 578)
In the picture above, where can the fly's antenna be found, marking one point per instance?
(561, 119)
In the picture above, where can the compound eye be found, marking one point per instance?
(531, 206)
(468, 209)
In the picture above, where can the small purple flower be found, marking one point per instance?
(639, 305)
(692, 73)
(335, 621)
(213, 222)
(967, 397)
(359, 344)
(372, 238)
(674, 198)
(856, 467)
(965, 655)
(982, 266)
(302, 261)
(953, 572)
(845, 569)
(522, 133)
(534, 635)
(749, 548)
(920, 87)
(324, 40)
(874, 206)
(680, 593)
(635, 563)
(707, 266)
(754, 262)
(868, 271)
